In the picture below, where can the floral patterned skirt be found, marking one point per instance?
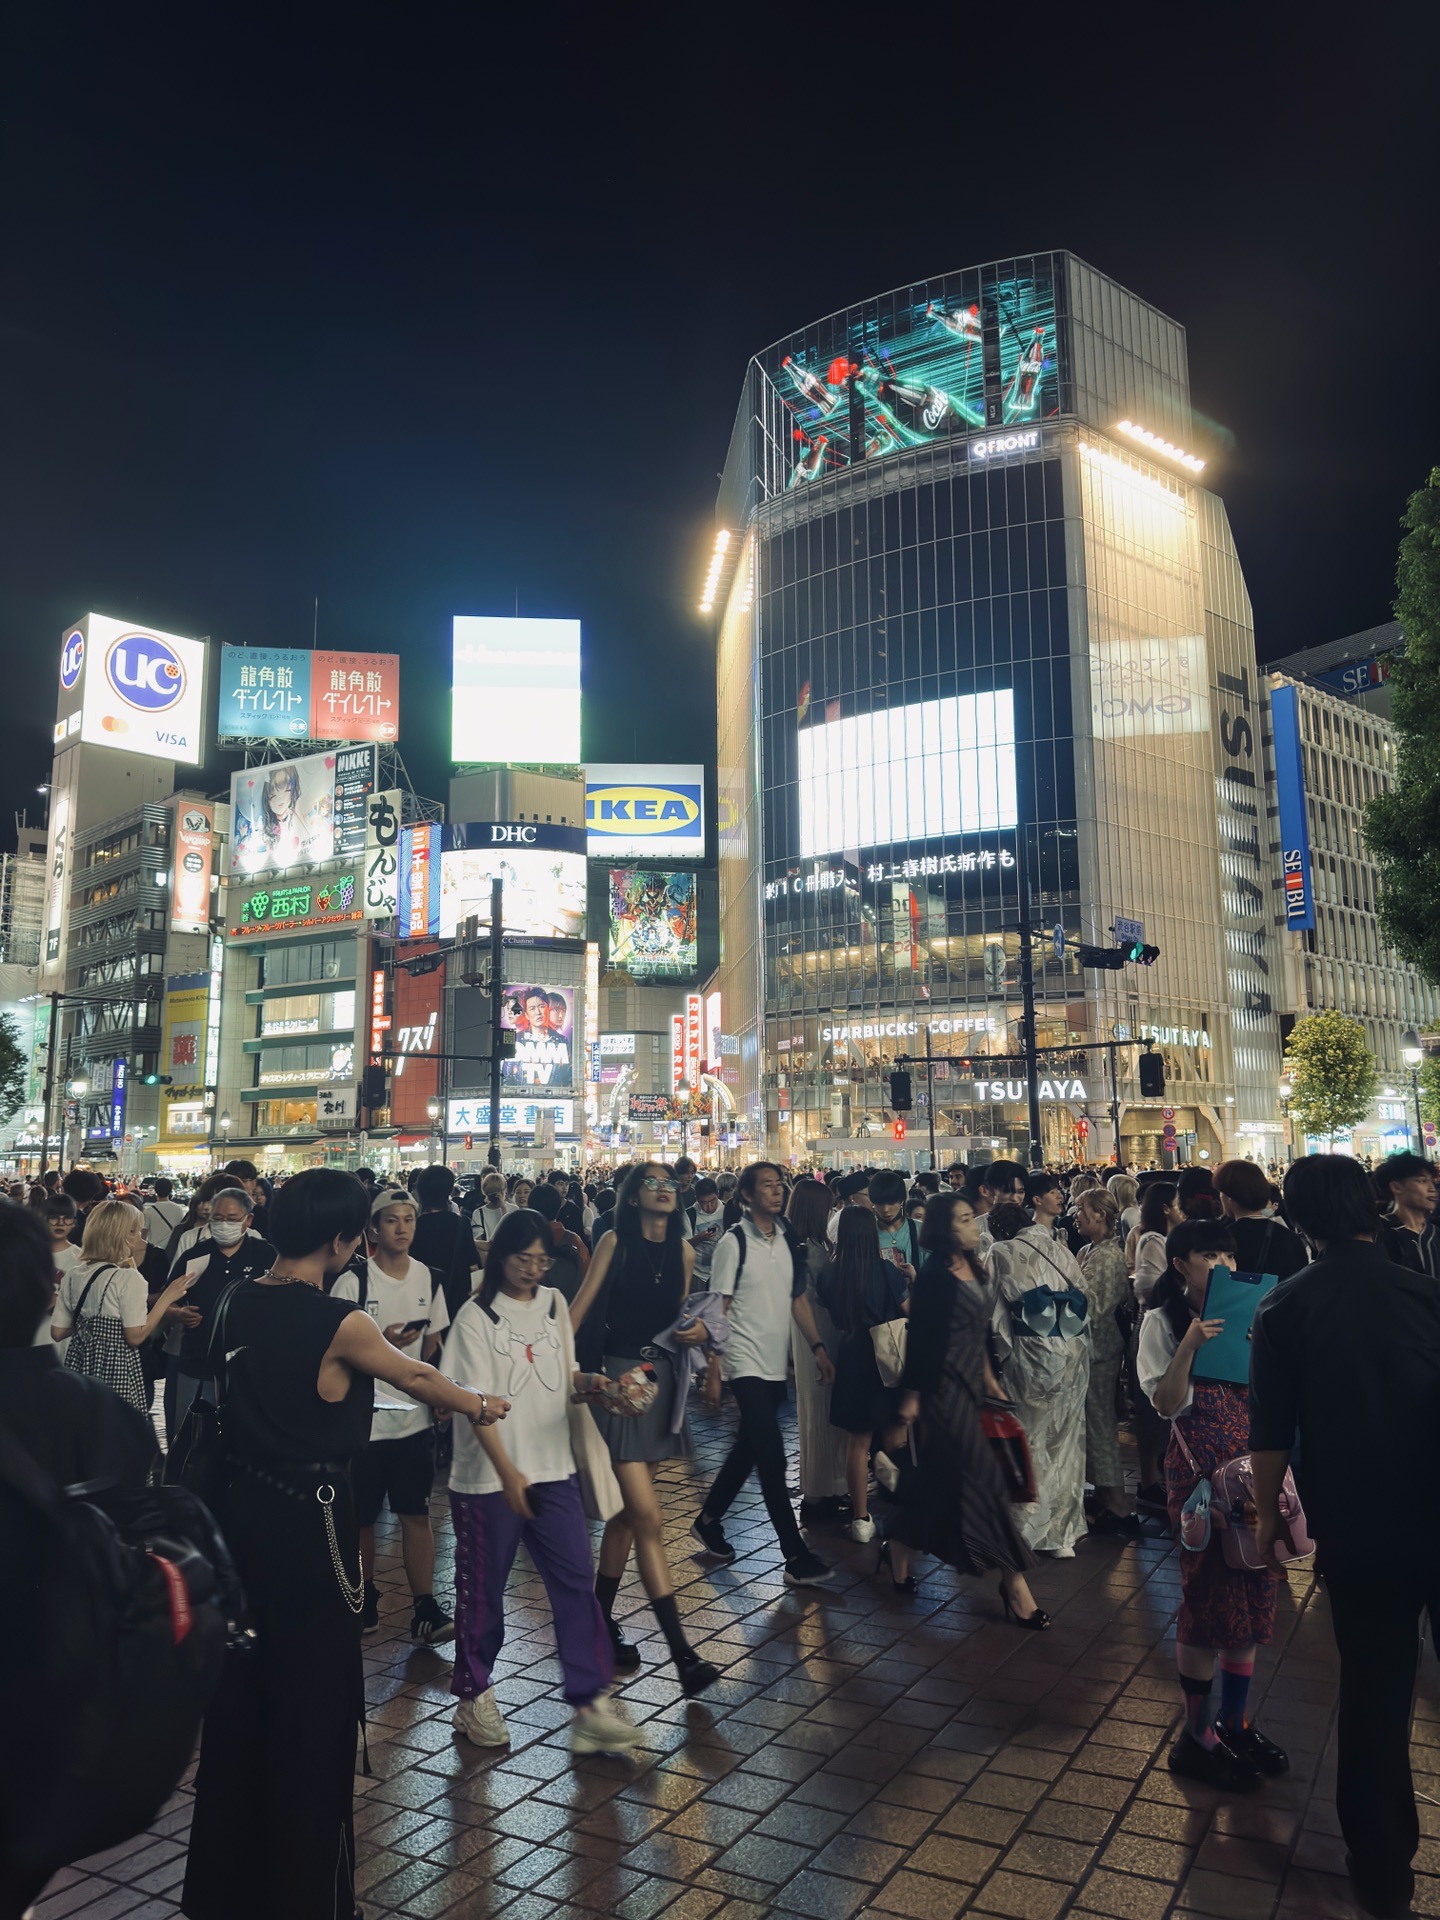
(1220, 1605)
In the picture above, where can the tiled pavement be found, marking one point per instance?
(864, 1753)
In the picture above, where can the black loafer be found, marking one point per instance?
(1248, 1743)
(1213, 1766)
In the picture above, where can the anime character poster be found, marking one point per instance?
(653, 924)
(283, 814)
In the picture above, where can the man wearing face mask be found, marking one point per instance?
(226, 1251)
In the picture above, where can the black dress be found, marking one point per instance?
(642, 1295)
(860, 1402)
(272, 1832)
(953, 1504)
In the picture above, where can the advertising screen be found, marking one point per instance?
(309, 903)
(921, 772)
(652, 924)
(516, 691)
(290, 812)
(290, 693)
(190, 869)
(541, 869)
(645, 812)
(952, 359)
(187, 1007)
(134, 688)
(418, 892)
(543, 1022)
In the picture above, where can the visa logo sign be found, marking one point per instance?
(652, 811)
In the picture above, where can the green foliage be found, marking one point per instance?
(1402, 826)
(1332, 1073)
(14, 1069)
(1429, 1087)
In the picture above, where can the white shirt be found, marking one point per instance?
(65, 1255)
(485, 1220)
(759, 1344)
(1155, 1350)
(1150, 1264)
(526, 1354)
(162, 1217)
(120, 1294)
(392, 1303)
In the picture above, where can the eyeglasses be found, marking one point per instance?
(533, 1262)
(660, 1186)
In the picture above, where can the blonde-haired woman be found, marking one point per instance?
(103, 1303)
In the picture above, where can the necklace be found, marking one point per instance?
(288, 1280)
(657, 1268)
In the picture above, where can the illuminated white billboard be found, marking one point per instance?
(131, 687)
(923, 772)
(645, 812)
(515, 691)
(540, 867)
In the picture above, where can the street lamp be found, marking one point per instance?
(432, 1107)
(1286, 1089)
(1412, 1053)
(77, 1088)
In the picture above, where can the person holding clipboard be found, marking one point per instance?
(1192, 1363)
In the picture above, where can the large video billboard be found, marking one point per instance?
(645, 812)
(652, 924)
(131, 687)
(288, 813)
(543, 1022)
(516, 691)
(290, 693)
(922, 772)
(541, 869)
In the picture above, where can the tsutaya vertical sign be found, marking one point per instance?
(677, 1050)
(382, 855)
(193, 825)
(694, 1037)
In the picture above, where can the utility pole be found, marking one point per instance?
(50, 1052)
(1027, 1004)
(497, 983)
(930, 1097)
(1113, 1051)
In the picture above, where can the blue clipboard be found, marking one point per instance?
(1233, 1298)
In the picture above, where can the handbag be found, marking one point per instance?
(888, 1340)
(1010, 1449)
(196, 1457)
(1225, 1501)
(599, 1489)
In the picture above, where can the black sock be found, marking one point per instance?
(605, 1592)
(668, 1614)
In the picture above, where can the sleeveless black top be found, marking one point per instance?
(275, 1339)
(643, 1291)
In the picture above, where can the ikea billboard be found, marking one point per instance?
(645, 812)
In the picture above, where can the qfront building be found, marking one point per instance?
(986, 664)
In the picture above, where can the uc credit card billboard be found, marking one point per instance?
(646, 811)
(131, 687)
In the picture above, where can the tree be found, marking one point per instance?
(14, 1069)
(1332, 1074)
(1402, 826)
(1430, 1087)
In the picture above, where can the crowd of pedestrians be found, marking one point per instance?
(972, 1355)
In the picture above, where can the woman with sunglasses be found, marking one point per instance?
(636, 1288)
(513, 1338)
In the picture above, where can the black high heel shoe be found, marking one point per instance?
(908, 1585)
(1035, 1622)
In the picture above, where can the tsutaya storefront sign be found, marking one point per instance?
(994, 1092)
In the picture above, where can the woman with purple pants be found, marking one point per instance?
(513, 1339)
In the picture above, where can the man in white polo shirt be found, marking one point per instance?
(760, 1269)
(401, 1296)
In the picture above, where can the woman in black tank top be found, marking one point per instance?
(272, 1831)
(636, 1289)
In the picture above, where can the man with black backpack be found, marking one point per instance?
(761, 1272)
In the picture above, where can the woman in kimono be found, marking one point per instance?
(1042, 1339)
(824, 1489)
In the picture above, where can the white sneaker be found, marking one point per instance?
(603, 1727)
(481, 1721)
(886, 1472)
(862, 1531)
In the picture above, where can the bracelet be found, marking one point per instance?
(816, 1345)
(484, 1404)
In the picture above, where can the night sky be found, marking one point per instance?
(421, 312)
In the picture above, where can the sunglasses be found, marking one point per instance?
(660, 1186)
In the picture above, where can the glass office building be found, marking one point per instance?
(980, 642)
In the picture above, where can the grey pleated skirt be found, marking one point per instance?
(645, 1436)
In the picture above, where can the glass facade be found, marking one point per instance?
(975, 637)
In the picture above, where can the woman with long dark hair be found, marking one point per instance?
(1225, 1611)
(523, 1489)
(1145, 1252)
(636, 1289)
(954, 1504)
(823, 1487)
(862, 1290)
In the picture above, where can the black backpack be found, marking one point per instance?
(136, 1607)
(787, 1234)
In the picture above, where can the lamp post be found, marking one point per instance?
(432, 1107)
(76, 1089)
(225, 1123)
(1412, 1053)
(1285, 1091)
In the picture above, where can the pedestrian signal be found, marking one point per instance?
(1152, 1075)
(899, 1129)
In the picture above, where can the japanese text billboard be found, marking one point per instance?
(291, 693)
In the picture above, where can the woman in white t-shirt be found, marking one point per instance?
(513, 1339)
(103, 1302)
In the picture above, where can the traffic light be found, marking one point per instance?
(899, 1129)
(374, 1092)
(1142, 955)
(1152, 1075)
(155, 1080)
(1105, 959)
(900, 1098)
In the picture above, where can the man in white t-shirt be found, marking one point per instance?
(401, 1296)
(162, 1216)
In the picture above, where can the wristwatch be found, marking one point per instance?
(816, 1345)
